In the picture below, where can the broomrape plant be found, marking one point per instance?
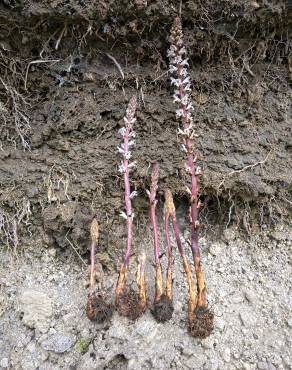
(128, 302)
(97, 308)
(202, 322)
(163, 306)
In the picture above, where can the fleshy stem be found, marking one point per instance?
(181, 80)
(94, 234)
(168, 287)
(91, 302)
(170, 209)
(124, 149)
(141, 281)
(152, 204)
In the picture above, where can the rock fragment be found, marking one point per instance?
(59, 342)
(37, 309)
(248, 318)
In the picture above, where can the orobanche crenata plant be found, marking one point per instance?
(98, 309)
(201, 320)
(163, 305)
(128, 302)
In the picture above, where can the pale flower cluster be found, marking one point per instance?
(178, 68)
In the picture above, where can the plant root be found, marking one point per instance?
(128, 303)
(201, 323)
(98, 309)
(163, 309)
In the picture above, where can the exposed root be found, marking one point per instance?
(201, 323)
(128, 303)
(163, 309)
(98, 309)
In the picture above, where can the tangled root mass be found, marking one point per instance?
(98, 309)
(202, 324)
(128, 304)
(163, 309)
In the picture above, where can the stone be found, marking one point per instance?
(248, 317)
(146, 329)
(52, 252)
(226, 354)
(220, 323)
(215, 249)
(195, 362)
(208, 343)
(262, 365)
(212, 364)
(248, 366)
(237, 298)
(59, 342)
(229, 235)
(118, 331)
(4, 363)
(37, 309)
(278, 235)
(251, 296)
(188, 350)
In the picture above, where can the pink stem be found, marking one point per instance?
(129, 120)
(92, 268)
(192, 168)
(177, 236)
(153, 203)
(168, 240)
(155, 233)
(128, 202)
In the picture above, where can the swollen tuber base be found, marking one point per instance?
(201, 324)
(128, 303)
(163, 309)
(98, 309)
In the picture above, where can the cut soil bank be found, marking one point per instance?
(67, 72)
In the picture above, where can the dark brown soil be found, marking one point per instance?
(128, 304)
(63, 97)
(98, 309)
(163, 309)
(203, 323)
